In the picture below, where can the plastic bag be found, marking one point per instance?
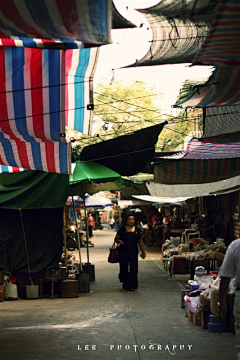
(214, 300)
(216, 282)
(204, 302)
(233, 286)
(205, 281)
(193, 303)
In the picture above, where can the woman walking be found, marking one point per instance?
(129, 239)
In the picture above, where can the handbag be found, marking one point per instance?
(113, 254)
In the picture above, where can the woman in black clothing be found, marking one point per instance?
(129, 238)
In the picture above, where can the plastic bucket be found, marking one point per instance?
(192, 303)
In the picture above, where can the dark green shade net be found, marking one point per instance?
(33, 190)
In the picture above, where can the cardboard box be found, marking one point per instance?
(190, 315)
(197, 319)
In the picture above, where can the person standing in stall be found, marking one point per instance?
(91, 224)
(229, 269)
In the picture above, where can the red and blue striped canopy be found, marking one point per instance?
(201, 162)
(41, 92)
(31, 113)
(62, 21)
(42, 88)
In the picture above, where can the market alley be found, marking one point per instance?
(108, 322)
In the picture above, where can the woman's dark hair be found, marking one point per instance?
(128, 215)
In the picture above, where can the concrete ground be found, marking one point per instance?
(108, 322)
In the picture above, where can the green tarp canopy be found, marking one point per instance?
(31, 219)
(33, 190)
(89, 177)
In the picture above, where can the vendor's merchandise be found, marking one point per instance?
(192, 303)
(204, 301)
(214, 300)
(193, 285)
(183, 248)
(178, 265)
(215, 325)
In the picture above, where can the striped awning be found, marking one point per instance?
(41, 92)
(197, 171)
(221, 89)
(203, 149)
(43, 88)
(194, 190)
(202, 162)
(31, 112)
(222, 46)
(10, 169)
(60, 21)
(80, 66)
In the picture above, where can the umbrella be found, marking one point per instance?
(97, 202)
(90, 172)
(86, 173)
(78, 201)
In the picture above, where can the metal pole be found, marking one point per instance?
(85, 210)
(65, 237)
(78, 240)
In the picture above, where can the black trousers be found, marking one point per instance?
(90, 231)
(128, 271)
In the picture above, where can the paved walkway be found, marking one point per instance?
(108, 322)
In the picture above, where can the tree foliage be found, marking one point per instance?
(173, 135)
(122, 109)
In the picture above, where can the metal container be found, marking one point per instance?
(83, 282)
(69, 288)
(11, 292)
(31, 291)
(89, 269)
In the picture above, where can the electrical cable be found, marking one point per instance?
(126, 102)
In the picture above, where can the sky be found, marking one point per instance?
(131, 44)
